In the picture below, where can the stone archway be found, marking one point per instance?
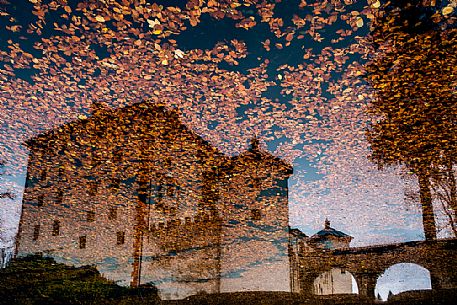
(402, 277)
(335, 281)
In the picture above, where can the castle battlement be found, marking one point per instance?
(202, 231)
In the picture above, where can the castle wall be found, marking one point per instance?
(334, 281)
(148, 202)
(183, 258)
(107, 186)
(255, 226)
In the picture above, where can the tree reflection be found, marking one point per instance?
(413, 75)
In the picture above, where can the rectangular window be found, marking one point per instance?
(90, 216)
(115, 184)
(60, 173)
(36, 232)
(40, 201)
(117, 155)
(56, 228)
(255, 214)
(170, 190)
(120, 237)
(112, 214)
(160, 191)
(82, 242)
(92, 188)
(60, 196)
(256, 183)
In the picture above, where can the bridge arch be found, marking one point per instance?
(335, 281)
(401, 277)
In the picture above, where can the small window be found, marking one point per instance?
(343, 271)
(56, 228)
(200, 155)
(112, 214)
(115, 185)
(92, 188)
(257, 183)
(171, 190)
(90, 216)
(40, 201)
(60, 173)
(255, 214)
(160, 191)
(82, 242)
(36, 232)
(117, 155)
(60, 196)
(120, 238)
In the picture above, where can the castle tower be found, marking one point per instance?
(254, 208)
(329, 238)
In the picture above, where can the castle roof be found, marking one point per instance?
(329, 232)
(297, 233)
(255, 153)
(123, 116)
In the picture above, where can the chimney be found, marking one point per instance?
(327, 224)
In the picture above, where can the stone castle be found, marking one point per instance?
(136, 193)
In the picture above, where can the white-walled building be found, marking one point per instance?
(136, 193)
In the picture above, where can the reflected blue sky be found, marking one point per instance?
(402, 277)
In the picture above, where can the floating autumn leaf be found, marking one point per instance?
(447, 10)
(289, 36)
(179, 53)
(266, 44)
(100, 18)
(376, 4)
(359, 22)
(153, 23)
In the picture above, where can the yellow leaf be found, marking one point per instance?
(100, 19)
(157, 32)
(152, 23)
(359, 22)
(447, 10)
(179, 53)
